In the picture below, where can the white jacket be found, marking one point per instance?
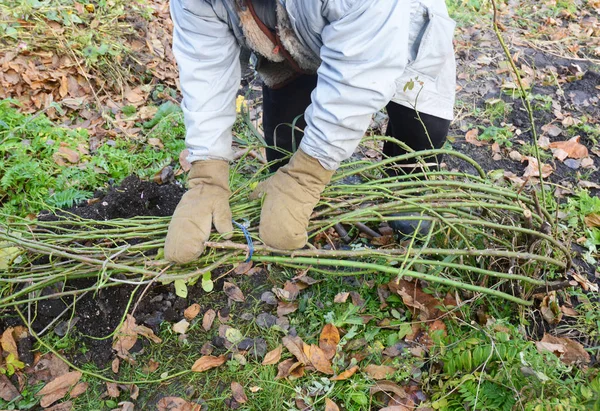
(369, 51)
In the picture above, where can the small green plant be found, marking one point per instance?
(496, 109)
(34, 173)
(500, 135)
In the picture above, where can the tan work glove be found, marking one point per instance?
(204, 204)
(289, 198)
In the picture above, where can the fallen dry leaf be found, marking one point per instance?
(550, 308)
(126, 406)
(345, 374)
(319, 360)
(388, 386)
(330, 405)
(471, 137)
(532, 169)
(191, 312)
(551, 129)
(185, 165)
(295, 346)
(79, 389)
(209, 318)
(379, 372)
(233, 292)
(586, 284)
(181, 327)
(8, 392)
(150, 367)
(58, 388)
(176, 404)
(63, 406)
(329, 339)
(283, 369)
(341, 297)
(8, 343)
(66, 153)
(126, 336)
(592, 220)
(428, 307)
(207, 362)
(567, 350)
(114, 366)
(112, 390)
(571, 148)
(243, 268)
(286, 307)
(273, 357)
(588, 184)
(238, 393)
(255, 389)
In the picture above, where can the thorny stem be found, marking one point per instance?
(524, 97)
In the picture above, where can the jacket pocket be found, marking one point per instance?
(435, 46)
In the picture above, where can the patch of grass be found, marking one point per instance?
(500, 135)
(46, 165)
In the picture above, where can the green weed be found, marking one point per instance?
(32, 177)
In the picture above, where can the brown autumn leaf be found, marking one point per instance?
(428, 307)
(345, 374)
(185, 165)
(592, 220)
(126, 406)
(532, 169)
(329, 339)
(58, 388)
(569, 351)
(176, 404)
(471, 138)
(341, 297)
(295, 346)
(379, 372)
(571, 148)
(66, 153)
(114, 366)
(330, 405)
(191, 312)
(273, 357)
(181, 327)
(127, 335)
(243, 268)
(319, 360)
(286, 307)
(8, 392)
(79, 389)
(297, 370)
(112, 390)
(238, 393)
(389, 387)
(134, 392)
(8, 343)
(551, 129)
(283, 369)
(550, 308)
(254, 389)
(207, 362)
(209, 318)
(134, 96)
(150, 367)
(233, 292)
(63, 406)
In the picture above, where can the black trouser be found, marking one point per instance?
(283, 105)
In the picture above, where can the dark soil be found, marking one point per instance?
(133, 197)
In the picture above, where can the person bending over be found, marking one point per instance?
(331, 64)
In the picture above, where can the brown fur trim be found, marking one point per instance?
(302, 55)
(275, 74)
(256, 40)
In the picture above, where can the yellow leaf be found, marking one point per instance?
(239, 104)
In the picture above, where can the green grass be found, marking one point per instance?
(31, 170)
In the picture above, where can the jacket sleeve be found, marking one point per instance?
(365, 49)
(207, 54)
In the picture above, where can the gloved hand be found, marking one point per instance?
(289, 198)
(204, 204)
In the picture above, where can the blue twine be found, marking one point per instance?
(248, 239)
